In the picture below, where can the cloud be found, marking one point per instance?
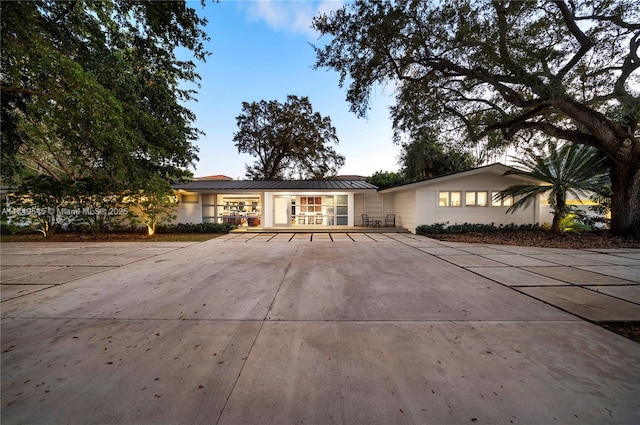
(289, 16)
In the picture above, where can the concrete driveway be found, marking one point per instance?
(316, 329)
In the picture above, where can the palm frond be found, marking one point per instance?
(565, 168)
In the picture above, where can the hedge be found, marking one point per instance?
(444, 228)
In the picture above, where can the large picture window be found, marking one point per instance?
(243, 210)
(318, 210)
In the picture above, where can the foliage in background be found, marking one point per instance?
(454, 229)
(565, 169)
(492, 71)
(289, 140)
(423, 158)
(95, 89)
(385, 179)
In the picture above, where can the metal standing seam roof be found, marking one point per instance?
(276, 185)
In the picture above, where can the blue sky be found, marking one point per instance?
(261, 51)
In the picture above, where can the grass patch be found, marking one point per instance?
(184, 237)
(113, 237)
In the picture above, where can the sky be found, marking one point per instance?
(261, 51)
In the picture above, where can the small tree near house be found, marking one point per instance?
(156, 205)
(567, 169)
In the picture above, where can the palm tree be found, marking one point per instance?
(570, 168)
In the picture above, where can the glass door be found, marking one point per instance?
(281, 207)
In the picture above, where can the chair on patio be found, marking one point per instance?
(366, 221)
(390, 220)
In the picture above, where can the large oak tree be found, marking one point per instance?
(488, 70)
(95, 89)
(288, 139)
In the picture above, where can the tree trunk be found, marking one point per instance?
(555, 224)
(623, 149)
(559, 211)
(625, 201)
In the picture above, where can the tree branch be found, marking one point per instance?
(21, 90)
(631, 63)
(554, 131)
(585, 43)
(518, 120)
(502, 32)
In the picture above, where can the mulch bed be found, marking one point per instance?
(630, 330)
(545, 239)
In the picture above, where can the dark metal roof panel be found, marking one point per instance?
(276, 185)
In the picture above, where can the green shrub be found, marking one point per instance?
(445, 228)
(12, 229)
(195, 228)
(572, 223)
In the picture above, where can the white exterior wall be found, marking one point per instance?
(482, 182)
(405, 209)
(267, 209)
(350, 210)
(471, 214)
(419, 204)
(424, 198)
(371, 204)
(388, 204)
(358, 207)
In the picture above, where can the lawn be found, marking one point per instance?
(113, 237)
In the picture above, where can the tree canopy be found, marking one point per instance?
(385, 179)
(423, 158)
(490, 71)
(289, 140)
(95, 89)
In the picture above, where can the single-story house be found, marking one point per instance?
(266, 204)
(463, 197)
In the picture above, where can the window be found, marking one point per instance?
(235, 208)
(475, 199)
(328, 210)
(506, 202)
(191, 198)
(450, 199)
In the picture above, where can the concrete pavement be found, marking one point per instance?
(343, 328)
